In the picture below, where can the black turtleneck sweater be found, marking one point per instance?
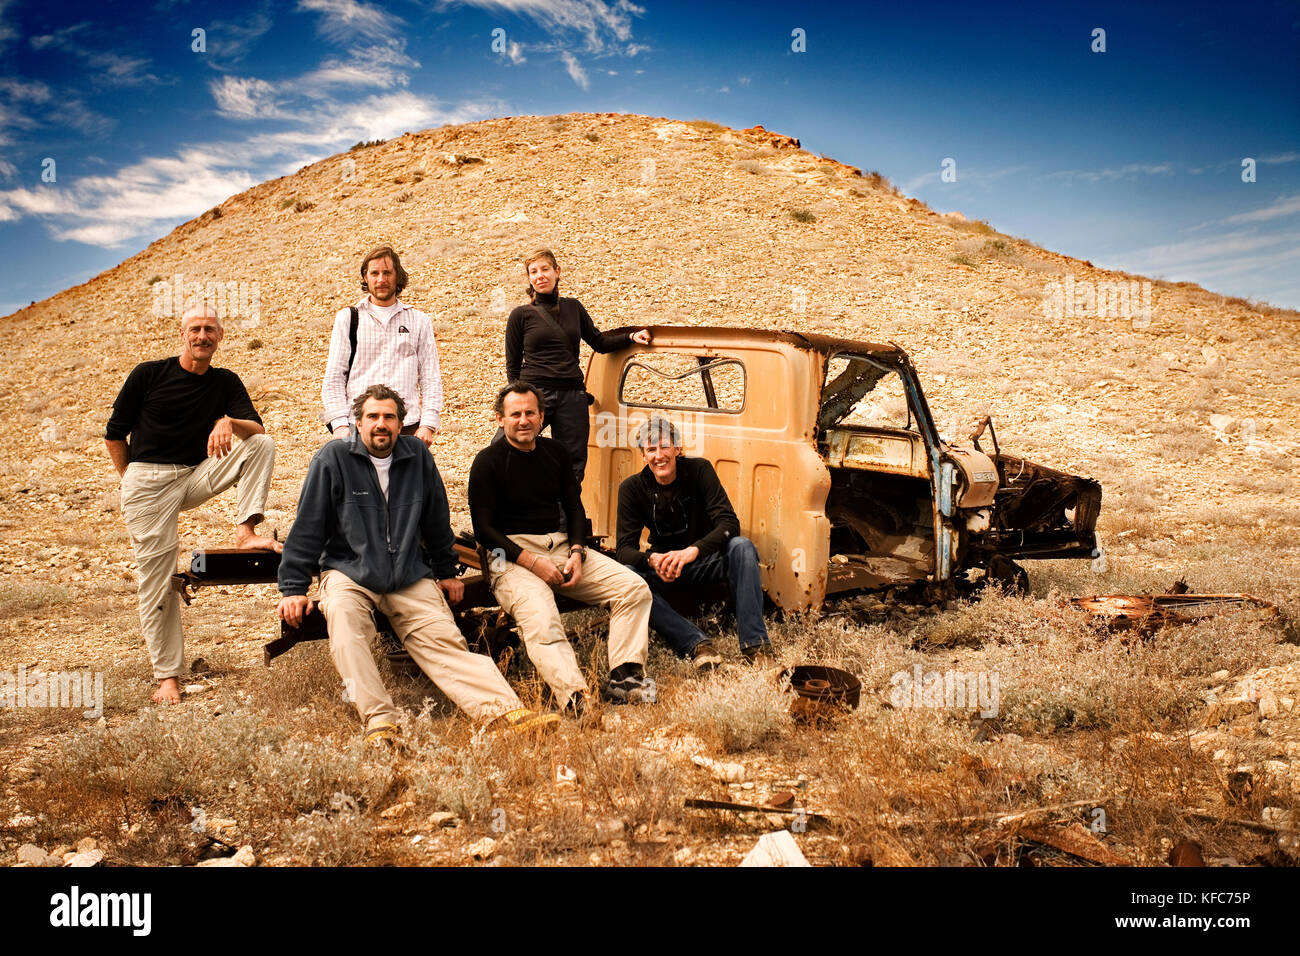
(542, 341)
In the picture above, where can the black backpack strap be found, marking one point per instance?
(352, 339)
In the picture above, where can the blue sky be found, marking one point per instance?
(1131, 157)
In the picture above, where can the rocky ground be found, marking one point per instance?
(1188, 416)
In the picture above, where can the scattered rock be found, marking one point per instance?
(565, 775)
(33, 855)
(443, 818)
(725, 772)
(607, 830)
(483, 849)
(88, 858)
(1268, 705)
(396, 810)
(196, 688)
(245, 857)
(222, 861)
(86, 844)
(775, 849)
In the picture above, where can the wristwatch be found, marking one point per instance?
(580, 550)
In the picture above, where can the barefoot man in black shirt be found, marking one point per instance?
(526, 506)
(182, 415)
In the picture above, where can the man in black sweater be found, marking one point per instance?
(695, 540)
(182, 415)
(527, 512)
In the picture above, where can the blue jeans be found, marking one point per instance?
(737, 564)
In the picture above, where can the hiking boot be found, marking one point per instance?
(523, 721)
(632, 689)
(759, 654)
(381, 734)
(705, 657)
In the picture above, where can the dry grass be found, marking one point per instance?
(18, 596)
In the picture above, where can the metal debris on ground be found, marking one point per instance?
(823, 692)
(1147, 612)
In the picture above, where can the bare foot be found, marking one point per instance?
(168, 692)
(247, 541)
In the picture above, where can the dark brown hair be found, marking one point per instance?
(384, 252)
(384, 394)
(518, 388)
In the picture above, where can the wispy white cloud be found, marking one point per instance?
(1279, 158)
(229, 41)
(149, 196)
(1283, 206)
(1213, 258)
(600, 27)
(27, 105)
(345, 21)
(107, 67)
(575, 70)
(245, 98)
(1127, 171)
(381, 65)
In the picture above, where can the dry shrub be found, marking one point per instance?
(18, 596)
(754, 166)
(707, 126)
(737, 711)
(341, 836)
(972, 225)
(628, 781)
(460, 780)
(240, 765)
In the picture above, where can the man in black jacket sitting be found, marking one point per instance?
(695, 540)
(373, 520)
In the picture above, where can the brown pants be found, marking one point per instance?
(422, 619)
(530, 601)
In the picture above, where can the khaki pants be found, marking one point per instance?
(153, 496)
(529, 600)
(422, 619)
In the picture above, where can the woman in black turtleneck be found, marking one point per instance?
(542, 349)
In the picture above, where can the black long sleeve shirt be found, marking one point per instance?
(542, 342)
(693, 510)
(169, 412)
(524, 492)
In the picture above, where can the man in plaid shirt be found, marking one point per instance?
(394, 346)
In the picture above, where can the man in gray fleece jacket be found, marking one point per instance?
(373, 520)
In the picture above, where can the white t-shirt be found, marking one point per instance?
(385, 312)
(381, 470)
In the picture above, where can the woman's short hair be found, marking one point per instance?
(384, 252)
(533, 257)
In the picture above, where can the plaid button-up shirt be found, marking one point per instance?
(400, 353)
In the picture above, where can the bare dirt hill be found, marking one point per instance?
(1188, 412)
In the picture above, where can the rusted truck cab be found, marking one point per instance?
(829, 453)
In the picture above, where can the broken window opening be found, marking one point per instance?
(862, 391)
(683, 382)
